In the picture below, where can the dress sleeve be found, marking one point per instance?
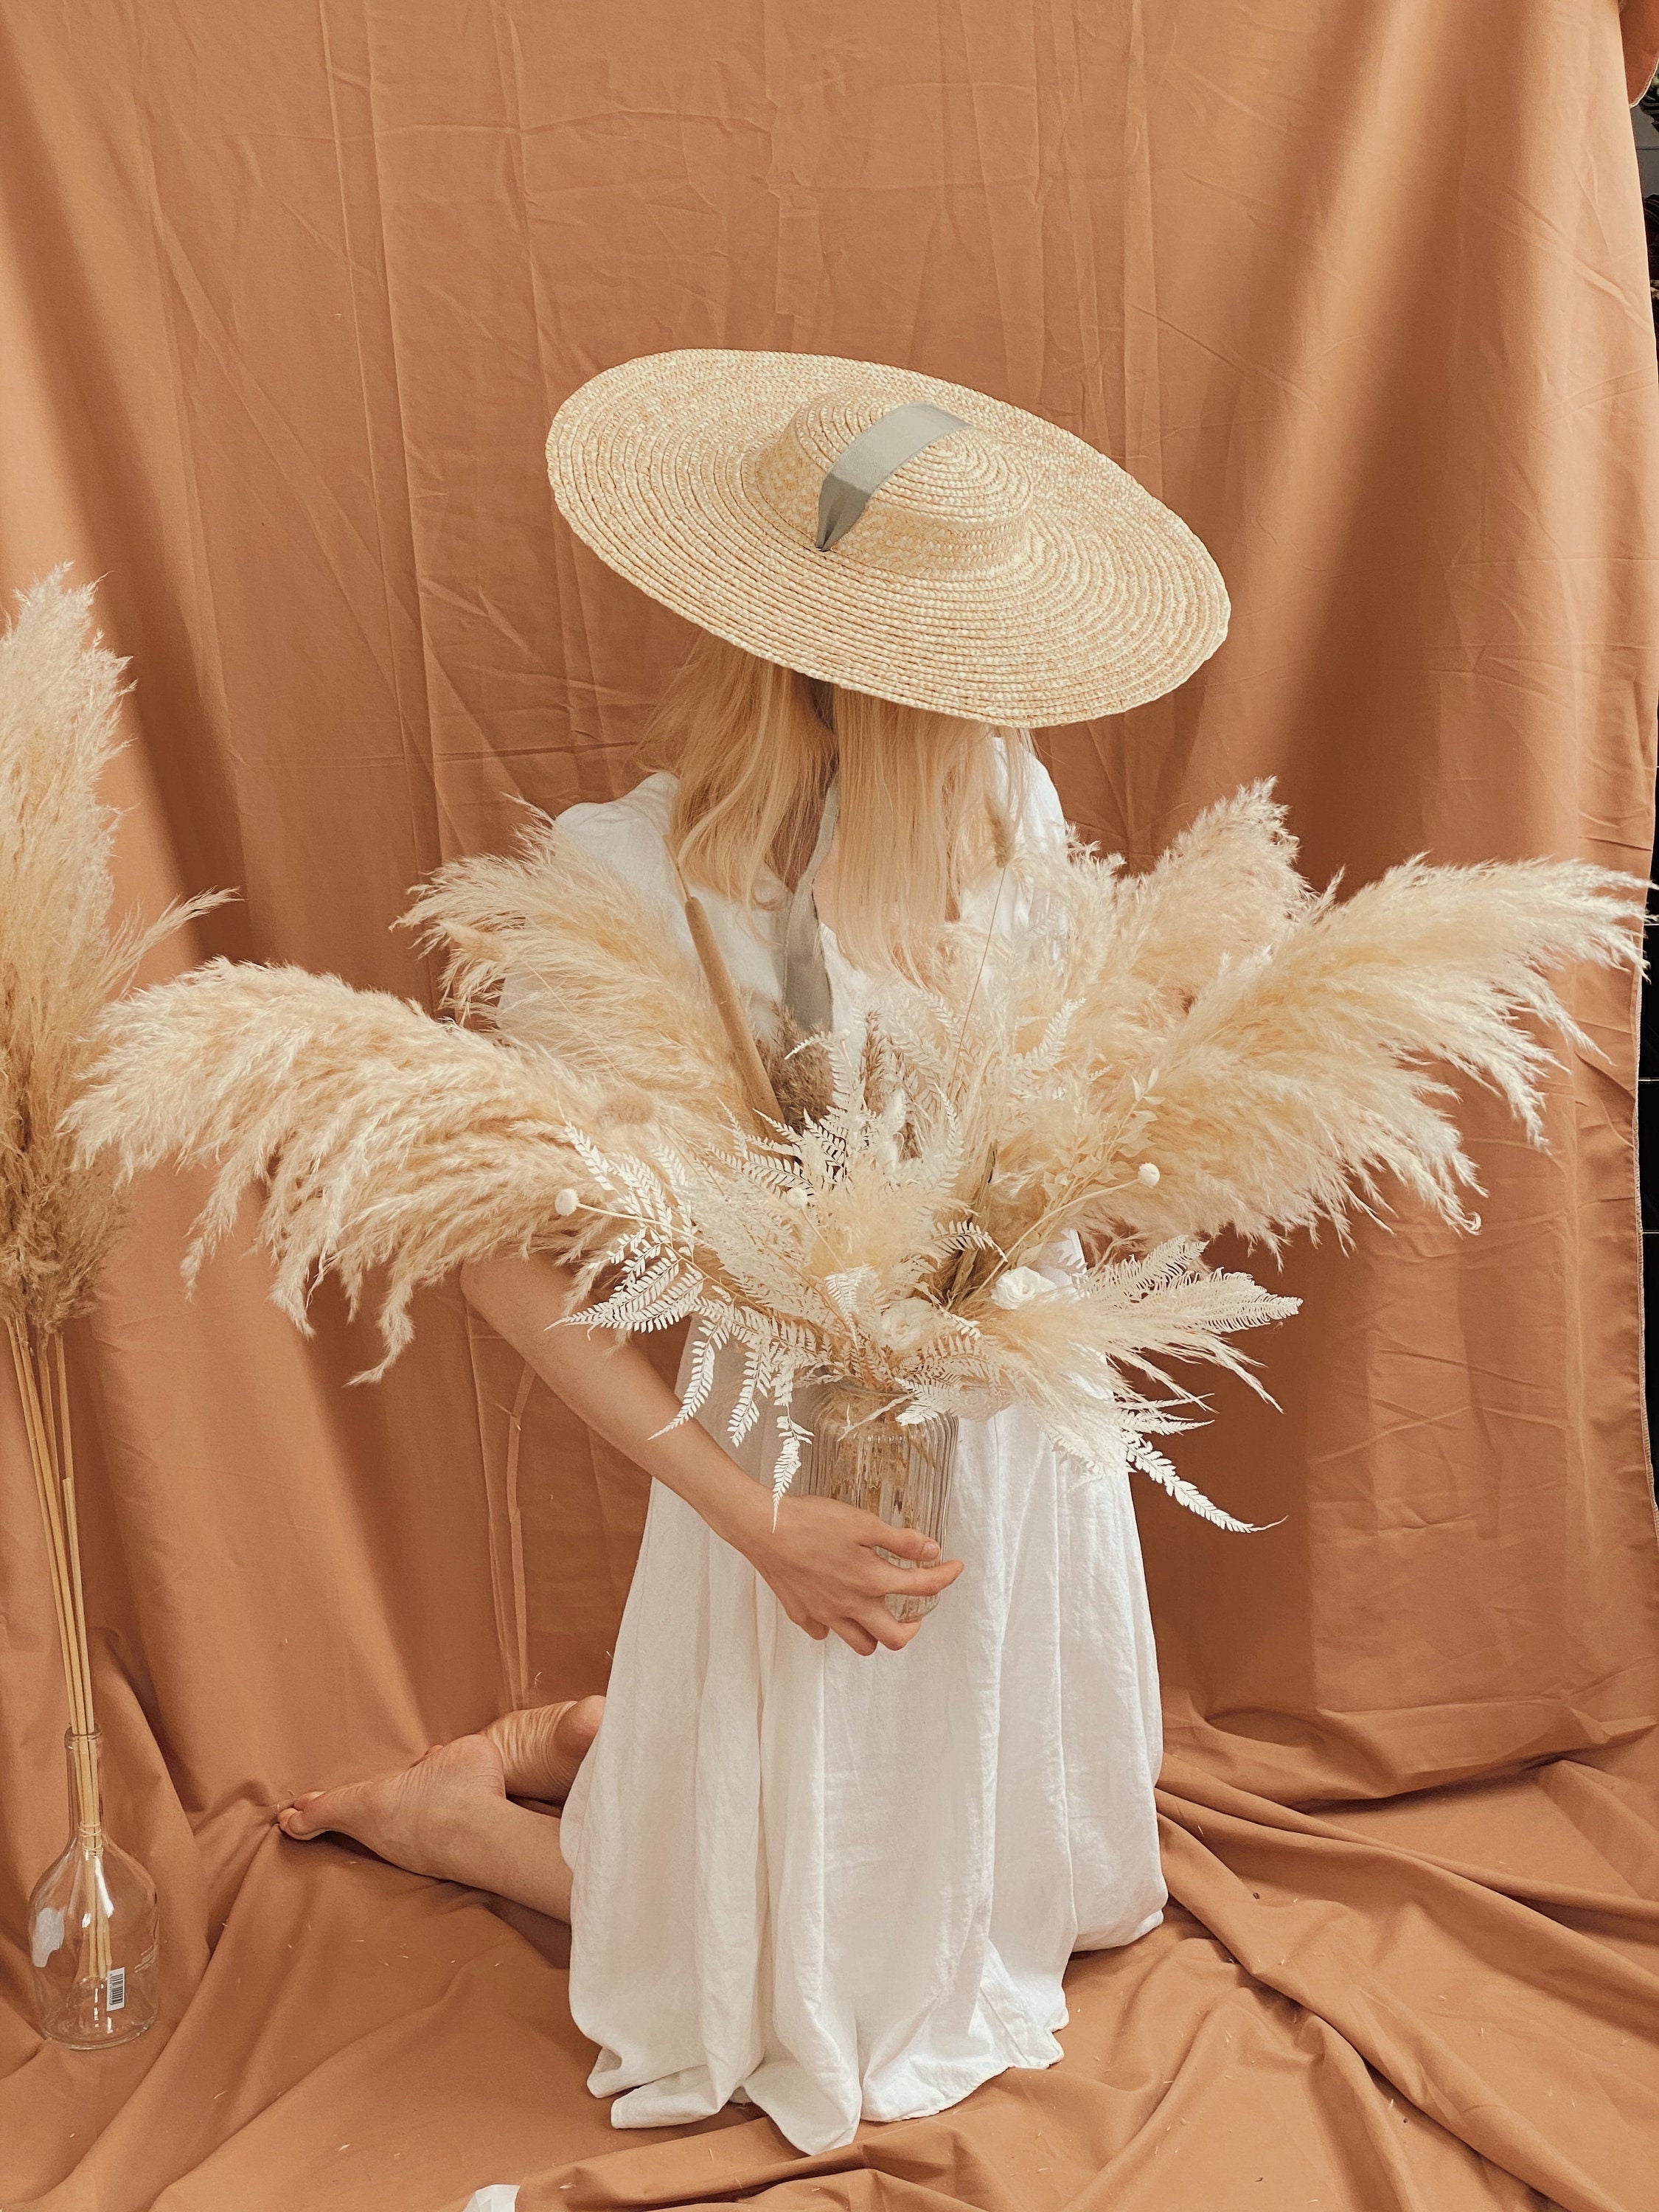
(1042, 825)
(630, 835)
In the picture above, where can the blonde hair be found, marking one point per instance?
(928, 802)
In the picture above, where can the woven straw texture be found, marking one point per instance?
(1008, 573)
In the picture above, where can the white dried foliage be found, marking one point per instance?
(1153, 1060)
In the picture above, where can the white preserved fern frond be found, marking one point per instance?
(1149, 1461)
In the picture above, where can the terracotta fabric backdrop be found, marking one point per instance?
(291, 290)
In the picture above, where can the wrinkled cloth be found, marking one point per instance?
(290, 294)
(841, 1887)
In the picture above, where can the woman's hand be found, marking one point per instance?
(818, 1556)
(820, 1561)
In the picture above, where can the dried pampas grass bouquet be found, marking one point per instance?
(995, 1190)
(61, 959)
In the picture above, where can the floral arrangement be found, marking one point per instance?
(995, 1190)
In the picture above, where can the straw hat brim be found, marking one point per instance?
(1111, 600)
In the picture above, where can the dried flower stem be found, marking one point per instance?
(46, 1491)
(756, 1084)
(962, 1274)
(51, 1455)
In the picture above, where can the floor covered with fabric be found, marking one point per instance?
(289, 293)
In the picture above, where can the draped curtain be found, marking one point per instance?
(289, 294)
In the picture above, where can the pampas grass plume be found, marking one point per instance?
(382, 1139)
(1149, 1061)
(550, 946)
(61, 958)
(61, 955)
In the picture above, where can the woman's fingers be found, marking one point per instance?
(824, 1567)
(917, 1582)
(903, 1543)
(859, 1638)
(892, 1635)
(873, 1625)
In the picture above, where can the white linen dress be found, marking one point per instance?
(843, 1888)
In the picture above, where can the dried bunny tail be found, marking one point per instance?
(560, 951)
(60, 957)
(383, 1139)
(1297, 1082)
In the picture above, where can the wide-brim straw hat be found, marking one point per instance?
(1006, 572)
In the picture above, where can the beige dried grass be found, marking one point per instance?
(1153, 1060)
(386, 1142)
(588, 968)
(1297, 1080)
(61, 958)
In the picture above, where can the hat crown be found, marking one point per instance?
(960, 507)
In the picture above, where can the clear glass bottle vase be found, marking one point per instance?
(862, 1454)
(93, 1923)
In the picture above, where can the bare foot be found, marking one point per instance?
(542, 1747)
(424, 1817)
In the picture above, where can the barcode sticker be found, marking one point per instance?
(115, 1989)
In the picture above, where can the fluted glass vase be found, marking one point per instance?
(93, 1923)
(862, 1454)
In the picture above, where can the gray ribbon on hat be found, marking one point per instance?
(865, 465)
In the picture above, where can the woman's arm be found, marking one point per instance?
(819, 1558)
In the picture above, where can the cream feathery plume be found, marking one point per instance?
(589, 967)
(1132, 1315)
(61, 956)
(1299, 1077)
(1134, 949)
(1084, 993)
(1229, 881)
(1227, 884)
(382, 1139)
(1077, 1355)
